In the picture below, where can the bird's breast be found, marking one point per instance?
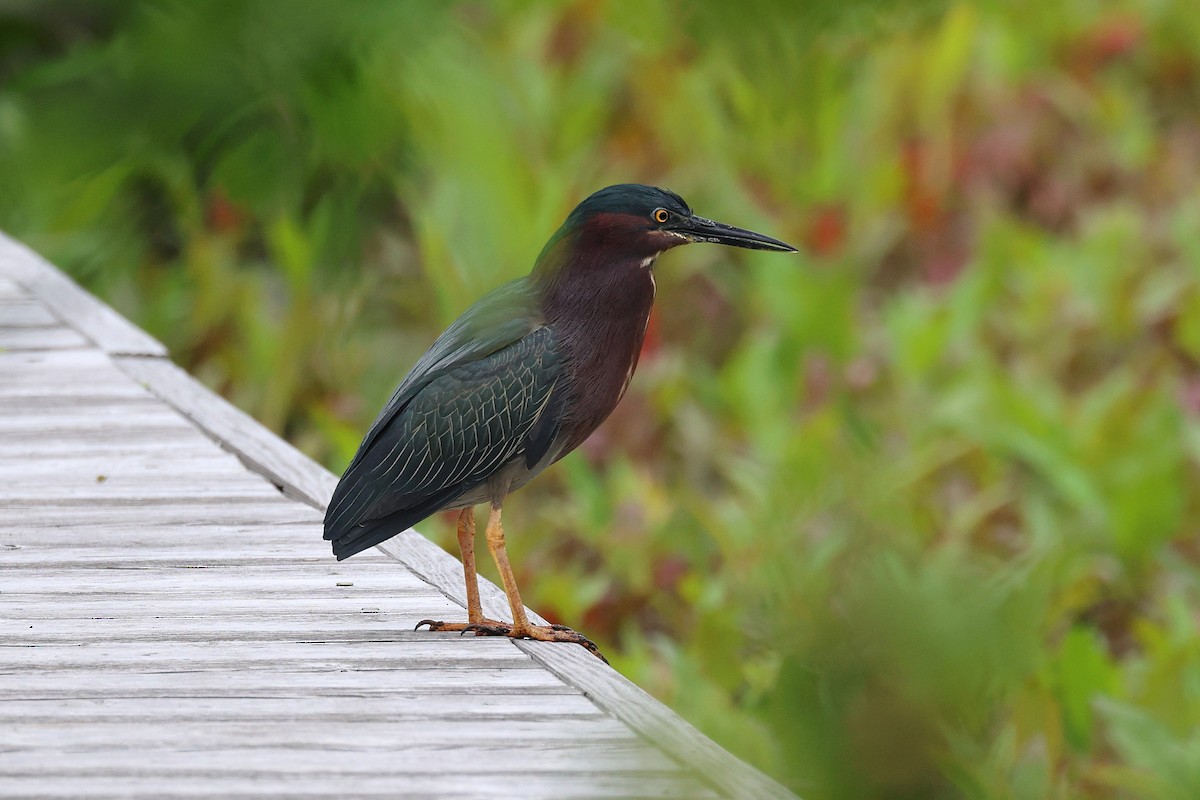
(602, 339)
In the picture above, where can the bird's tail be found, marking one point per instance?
(357, 536)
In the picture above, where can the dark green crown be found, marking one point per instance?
(628, 198)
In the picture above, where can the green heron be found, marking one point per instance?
(521, 379)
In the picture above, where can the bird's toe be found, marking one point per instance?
(542, 633)
(485, 625)
(489, 627)
(560, 633)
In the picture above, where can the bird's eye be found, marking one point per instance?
(661, 215)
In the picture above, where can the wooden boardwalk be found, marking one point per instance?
(173, 625)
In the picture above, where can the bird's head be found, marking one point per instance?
(633, 221)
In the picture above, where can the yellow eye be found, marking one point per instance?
(661, 215)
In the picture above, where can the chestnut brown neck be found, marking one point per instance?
(598, 302)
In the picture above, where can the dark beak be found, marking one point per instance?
(699, 229)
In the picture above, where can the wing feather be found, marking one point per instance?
(500, 318)
(450, 436)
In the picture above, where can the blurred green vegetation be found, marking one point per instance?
(913, 515)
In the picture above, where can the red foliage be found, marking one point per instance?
(223, 215)
(826, 230)
(932, 206)
(922, 200)
(1115, 37)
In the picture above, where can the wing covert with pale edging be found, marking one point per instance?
(497, 320)
(452, 434)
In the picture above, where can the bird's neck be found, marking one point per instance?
(599, 306)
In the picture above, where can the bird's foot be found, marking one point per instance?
(543, 633)
(461, 627)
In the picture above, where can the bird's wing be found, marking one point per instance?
(449, 436)
(497, 320)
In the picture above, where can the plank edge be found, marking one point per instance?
(69, 301)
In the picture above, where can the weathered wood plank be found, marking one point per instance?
(128, 583)
(164, 599)
(276, 683)
(105, 488)
(309, 570)
(183, 511)
(64, 365)
(126, 551)
(400, 708)
(84, 373)
(308, 554)
(80, 403)
(116, 483)
(41, 339)
(87, 314)
(121, 540)
(58, 421)
(197, 581)
(129, 554)
(352, 627)
(26, 313)
(452, 734)
(277, 665)
(141, 619)
(441, 781)
(192, 584)
(203, 465)
(103, 622)
(408, 651)
(75, 439)
(203, 543)
(11, 290)
(58, 409)
(398, 759)
(66, 449)
(115, 471)
(233, 593)
(262, 451)
(90, 382)
(350, 635)
(498, 704)
(100, 500)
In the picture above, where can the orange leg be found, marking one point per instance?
(466, 546)
(480, 625)
(521, 628)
